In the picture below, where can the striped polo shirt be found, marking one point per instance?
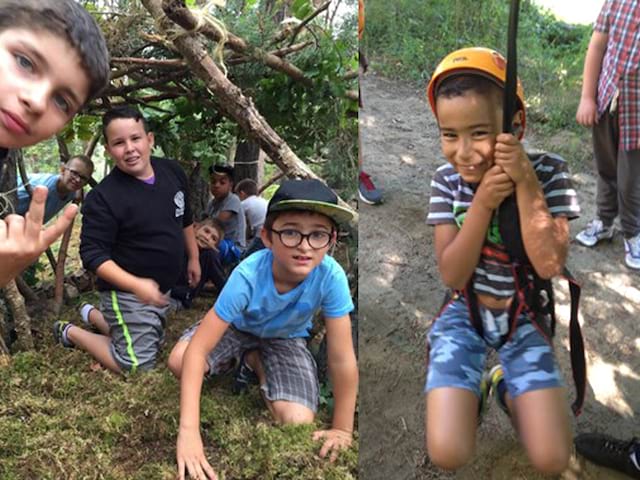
(451, 198)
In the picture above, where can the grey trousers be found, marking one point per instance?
(618, 176)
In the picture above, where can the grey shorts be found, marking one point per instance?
(457, 354)
(290, 368)
(136, 329)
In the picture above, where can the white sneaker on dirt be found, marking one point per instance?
(594, 232)
(632, 252)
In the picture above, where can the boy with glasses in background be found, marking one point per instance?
(63, 187)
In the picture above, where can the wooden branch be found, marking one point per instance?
(230, 99)
(91, 146)
(284, 51)
(270, 182)
(63, 149)
(307, 20)
(150, 62)
(180, 14)
(21, 318)
(23, 174)
(352, 94)
(58, 296)
(350, 75)
(159, 82)
(29, 189)
(25, 290)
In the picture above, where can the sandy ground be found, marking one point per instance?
(400, 292)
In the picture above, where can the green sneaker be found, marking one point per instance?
(60, 330)
(494, 377)
(485, 391)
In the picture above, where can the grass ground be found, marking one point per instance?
(62, 417)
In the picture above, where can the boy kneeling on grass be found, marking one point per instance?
(262, 319)
(484, 167)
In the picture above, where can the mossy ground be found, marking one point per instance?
(63, 418)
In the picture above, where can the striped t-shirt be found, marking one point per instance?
(451, 198)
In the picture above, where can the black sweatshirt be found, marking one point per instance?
(137, 225)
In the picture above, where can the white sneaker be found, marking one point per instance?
(632, 252)
(594, 232)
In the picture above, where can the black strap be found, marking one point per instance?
(576, 345)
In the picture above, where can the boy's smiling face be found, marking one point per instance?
(469, 124)
(207, 236)
(130, 147)
(291, 265)
(42, 86)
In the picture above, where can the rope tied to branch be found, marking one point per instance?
(204, 16)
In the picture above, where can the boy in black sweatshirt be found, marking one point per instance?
(136, 226)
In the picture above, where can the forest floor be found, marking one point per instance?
(62, 416)
(400, 293)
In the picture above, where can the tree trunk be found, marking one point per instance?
(21, 318)
(198, 193)
(247, 162)
(58, 296)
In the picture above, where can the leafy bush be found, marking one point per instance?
(407, 38)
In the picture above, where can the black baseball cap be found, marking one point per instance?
(221, 170)
(310, 195)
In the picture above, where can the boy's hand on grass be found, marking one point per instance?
(587, 114)
(334, 441)
(22, 239)
(510, 155)
(148, 292)
(494, 187)
(191, 459)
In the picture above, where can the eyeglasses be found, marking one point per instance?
(77, 175)
(292, 238)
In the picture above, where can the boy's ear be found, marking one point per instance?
(151, 139)
(265, 236)
(516, 124)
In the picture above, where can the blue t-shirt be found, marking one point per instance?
(250, 301)
(54, 202)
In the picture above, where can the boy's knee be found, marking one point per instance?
(549, 458)
(292, 413)
(175, 358)
(448, 453)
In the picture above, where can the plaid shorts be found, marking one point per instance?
(290, 368)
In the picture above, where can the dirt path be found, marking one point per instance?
(400, 292)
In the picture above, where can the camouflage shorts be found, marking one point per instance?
(457, 355)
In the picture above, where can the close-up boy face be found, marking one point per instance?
(75, 175)
(220, 185)
(207, 236)
(295, 263)
(42, 86)
(130, 146)
(469, 124)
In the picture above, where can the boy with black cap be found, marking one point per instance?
(262, 319)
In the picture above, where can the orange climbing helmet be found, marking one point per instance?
(474, 60)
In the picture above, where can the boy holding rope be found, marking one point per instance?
(485, 167)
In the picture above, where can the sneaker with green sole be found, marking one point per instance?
(60, 330)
